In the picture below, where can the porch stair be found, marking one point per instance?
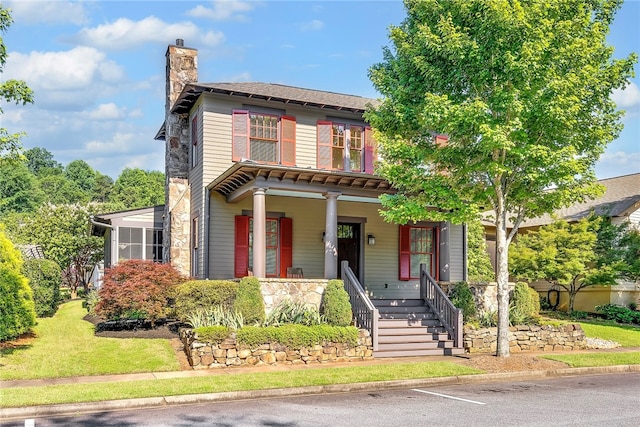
(407, 327)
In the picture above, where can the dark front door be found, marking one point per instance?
(349, 246)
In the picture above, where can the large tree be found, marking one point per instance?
(137, 188)
(522, 91)
(15, 91)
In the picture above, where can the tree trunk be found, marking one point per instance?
(502, 278)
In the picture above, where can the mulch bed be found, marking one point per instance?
(164, 328)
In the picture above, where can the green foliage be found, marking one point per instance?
(63, 233)
(618, 313)
(462, 297)
(249, 301)
(215, 316)
(195, 295)
(137, 188)
(521, 89)
(137, 289)
(19, 190)
(563, 254)
(91, 301)
(40, 161)
(479, 267)
(212, 334)
(15, 91)
(44, 278)
(525, 305)
(290, 312)
(488, 318)
(335, 306)
(17, 312)
(297, 336)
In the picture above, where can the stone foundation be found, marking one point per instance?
(526, 338)
(204, 355)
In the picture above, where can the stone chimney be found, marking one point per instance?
(181, 69)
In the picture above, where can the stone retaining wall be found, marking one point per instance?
(204, 355)
(526, 338)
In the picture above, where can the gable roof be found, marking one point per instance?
(621, 197)
(273, 93)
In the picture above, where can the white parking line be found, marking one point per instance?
(449, 397)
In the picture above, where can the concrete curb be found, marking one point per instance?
(112, 405)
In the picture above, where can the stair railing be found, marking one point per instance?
(448, 314)
(364, 312)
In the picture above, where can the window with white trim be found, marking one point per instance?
(140, 243)
(264, 137)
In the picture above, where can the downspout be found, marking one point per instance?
(207, 204)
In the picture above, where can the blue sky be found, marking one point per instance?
(97, 67)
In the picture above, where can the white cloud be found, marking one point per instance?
(67, 79)
(223, 10)
(125, 34)
(118, 143)
(108, 111)
(618, 163)
(313, 25)
(627, 98)
(48, 12)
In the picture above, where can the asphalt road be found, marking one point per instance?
(588, 400)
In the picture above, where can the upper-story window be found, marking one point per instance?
(345, 147)
(264, 138)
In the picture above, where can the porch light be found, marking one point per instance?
(371, 239)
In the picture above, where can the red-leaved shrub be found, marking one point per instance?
(137, 289)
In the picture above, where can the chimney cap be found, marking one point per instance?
(180, 42)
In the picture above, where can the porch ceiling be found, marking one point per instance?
(244, 176)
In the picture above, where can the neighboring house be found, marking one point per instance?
(132, 234)
(620, 203)
(277, 181)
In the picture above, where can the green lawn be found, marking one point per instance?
(65, 346)
(92, 392)
(584, 360)
(625, 335)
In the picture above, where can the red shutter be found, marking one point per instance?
(370, 150)
(404, 254)
(288, 141)
(241, 251)
(240, 148)
(286, 245)
(324, 129)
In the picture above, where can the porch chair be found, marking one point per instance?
(294, 273)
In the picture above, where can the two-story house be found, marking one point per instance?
(263, 178)
(278, 182)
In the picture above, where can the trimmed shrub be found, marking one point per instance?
(45, 277)
(17, 311)
(137, 289)
(249, 301)
(524, 306)
(618, 313)
(197, 295)
(212, 334)
(462, 297)
(335, 306)
(297, 336)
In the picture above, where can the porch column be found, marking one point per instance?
(331, 236)
(259, 233)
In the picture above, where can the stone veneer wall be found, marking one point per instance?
(526, 338)
(308, 291)
(204, 355)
